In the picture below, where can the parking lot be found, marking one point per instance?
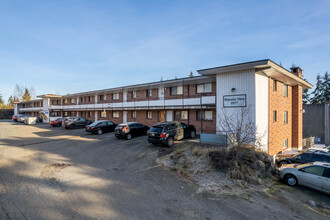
(54, 173)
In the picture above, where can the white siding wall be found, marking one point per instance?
(244, 83)
(261, 83)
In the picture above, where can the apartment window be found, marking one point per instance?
(102, 97)
(72, 100)
(177, 90)
(285, 115)
(65, 101)
(285, 90)
(81, 99)
(65, 114)
(181, 115)
(115, 114)
(204, 88)
(103, 114)
(206, 115)
(89, 99)
(72, 114)
(133, 114)
(115, 96)
(274, 85)
(285, 143)
(274, 116)
(57, 102)
(148, 93)
(89, 114)
(149, 114)
(133, 94)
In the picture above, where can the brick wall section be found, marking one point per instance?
(189, 91)
(297, 121)
(278, 130)
(141, 95)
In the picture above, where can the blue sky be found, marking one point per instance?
(72, 46)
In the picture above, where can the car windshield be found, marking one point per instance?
(298, 166)
(156, 129)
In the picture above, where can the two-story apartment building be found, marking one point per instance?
(273, 94)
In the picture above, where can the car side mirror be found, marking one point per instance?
(302, 170)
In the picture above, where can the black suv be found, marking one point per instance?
(166, 133)
(130, 129)
(305, 157)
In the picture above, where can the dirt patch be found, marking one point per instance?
(49, 172)
(200, 166)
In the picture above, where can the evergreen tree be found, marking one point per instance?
(1, 100)
(326, 88)
(318, 91)
(306, 98)
(27, 95)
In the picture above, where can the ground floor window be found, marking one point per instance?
(72, 114)
(103, 114)
(181, 115)
(206, 115)
(285, 143)
(133, 114)
(65, 114)
(149, 114)
(115, 114)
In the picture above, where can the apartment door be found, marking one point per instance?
(161, 116)
(169, 116)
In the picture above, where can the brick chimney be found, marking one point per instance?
(296, 71)
(297, 110)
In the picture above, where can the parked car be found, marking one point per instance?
(305, 157)
(130, 129)
(15, 117)
(100, 127)
(21, 118)
(75, 122)
(320, 150)
(57, 122)
(315, 175)
(166, 133)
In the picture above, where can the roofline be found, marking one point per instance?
(140, 85)
(265, 63)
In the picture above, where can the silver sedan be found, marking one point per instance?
(314, 175)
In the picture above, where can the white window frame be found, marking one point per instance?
(285, 90)
(133, 95)
(115, 96)
(285, 143)
(133, 115)
(149, 114)
(285, 117)
(103, 114)
(204, 88)
(115, 114)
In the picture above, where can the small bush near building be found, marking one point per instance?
(6, 113)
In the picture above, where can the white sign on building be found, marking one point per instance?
(234, 101)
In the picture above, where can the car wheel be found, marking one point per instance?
(170, 142)
(291, 180)
(192, 134)
(128, 136)
(99, 132)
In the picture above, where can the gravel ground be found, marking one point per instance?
(53, 173)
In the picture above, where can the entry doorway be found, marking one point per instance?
(161, 116)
